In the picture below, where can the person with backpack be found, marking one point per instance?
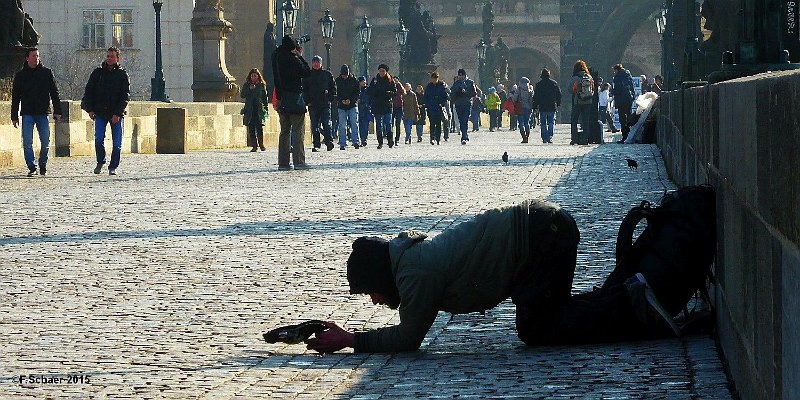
(623, 92)
(582, 86)
(531, 259)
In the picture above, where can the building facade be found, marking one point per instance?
(76, 33)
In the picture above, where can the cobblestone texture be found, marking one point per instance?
(157, 283)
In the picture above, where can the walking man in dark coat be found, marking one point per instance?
(34, 88)
(623, 97)
(319, 90)
(105, 99)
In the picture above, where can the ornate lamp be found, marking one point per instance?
(327, 23)
(289, 11)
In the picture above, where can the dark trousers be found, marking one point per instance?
(397, 121)
(580, 113)
(255, 135)
(435, 128)
(494, 119)
(363, 126)
(547, 314)
(605, 116)
(291, 138)
(320, 123)
(624, 111)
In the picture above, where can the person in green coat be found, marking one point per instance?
(526, 252)
(255, 110)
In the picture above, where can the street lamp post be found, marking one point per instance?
(401, 36)
(158, 91)
(289, 12)
(327, 23)
(365, 31)
(661, 28)
(480, 48)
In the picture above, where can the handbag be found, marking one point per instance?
(292, 103)
(517, 107)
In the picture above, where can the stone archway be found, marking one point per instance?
(529, 62)
(621, 24)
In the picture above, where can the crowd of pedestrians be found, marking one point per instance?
(396, 109)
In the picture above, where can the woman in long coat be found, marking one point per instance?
(255, 110)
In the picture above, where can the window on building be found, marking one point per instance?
(95, 26)
(122, 28)
(94, 29)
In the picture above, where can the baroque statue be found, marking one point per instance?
(17, 28)
(422, 42)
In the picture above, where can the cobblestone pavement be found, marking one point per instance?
(158, 282)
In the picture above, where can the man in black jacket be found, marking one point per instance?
(289, 68)
(381, 90)
(623, 94)
(348, 92)
(546, 97)
(105, 99)
(34, 87)
(319, 91)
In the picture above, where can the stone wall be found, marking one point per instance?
(209, 126)
(743, 137)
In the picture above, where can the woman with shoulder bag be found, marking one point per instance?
(255, 111)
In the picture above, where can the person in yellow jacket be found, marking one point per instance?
(492, 104)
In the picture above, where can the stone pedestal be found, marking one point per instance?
(212, 82)
(171, 130)
(420, 74)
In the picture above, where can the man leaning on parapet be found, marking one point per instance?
(34, 87)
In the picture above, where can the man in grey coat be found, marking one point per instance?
(526, 252)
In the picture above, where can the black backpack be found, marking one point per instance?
(676, 251)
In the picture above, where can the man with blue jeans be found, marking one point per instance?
(381, 90)
(547, 98)
(462, 92)
(347, 98)
(105, 99)
(34, 88)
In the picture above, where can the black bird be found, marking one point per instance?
(505, 157)
(293, 334)
(632, 164)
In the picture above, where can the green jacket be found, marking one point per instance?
(254, 99)
(469, 268)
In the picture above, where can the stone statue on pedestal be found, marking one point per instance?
(16, 35)
(422, 40)
(212, 81)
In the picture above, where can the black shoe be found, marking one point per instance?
(42, 170)
(31, 171)
(301, 167)
(314, 149)
(364, 143)
(329, 146)
(356, 146)
(294, 334)
(284, 168)
(253, 150)
(380, 146)
(98, 168)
